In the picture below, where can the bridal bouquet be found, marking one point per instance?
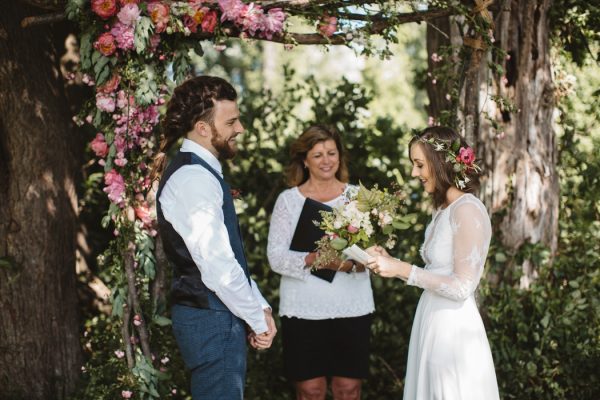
(368, 217)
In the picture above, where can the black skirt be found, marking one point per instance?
(328, 347)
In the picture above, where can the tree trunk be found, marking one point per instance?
(520, 157)
(40, 353)
(522, 160)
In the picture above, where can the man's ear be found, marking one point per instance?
(202, 129)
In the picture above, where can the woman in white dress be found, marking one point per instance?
(325, 324)
(449, 356)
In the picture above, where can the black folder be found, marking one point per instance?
(307, 233)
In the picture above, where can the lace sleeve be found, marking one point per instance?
(283, 260)
(471, 232)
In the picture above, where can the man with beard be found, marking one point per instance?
(214, 300)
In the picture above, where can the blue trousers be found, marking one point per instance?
(213, 346)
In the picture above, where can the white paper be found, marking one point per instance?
(357, 254)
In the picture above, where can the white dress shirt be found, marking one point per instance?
(192, 201)
(301, 294)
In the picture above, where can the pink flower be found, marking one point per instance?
(104, 8)
(190, 23)
(129, 14)
(466, 156)
(251, 18)
(164, 360)
(272, 22)
(99, 146)
(231, 9)
(105, 44)
(123, 35)
(352, 229)
(144, 214)
(126, 394)
(209, 22)
(105, 102)
(137, 320)
(111, 85)
(119, 353)
(115, 187)
(327, 26)
(123, 2)
(154, 42)
(159, 13)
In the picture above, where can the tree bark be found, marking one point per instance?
(40, 352)
(520, 157)
(523, 162)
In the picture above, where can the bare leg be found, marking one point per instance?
(345, 388)
(311, 389)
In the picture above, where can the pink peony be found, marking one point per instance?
(466, 156)
(104, 8)
(190, 23)
(327, 26)
(231, 9)
(209, 22)
(159, 13)
(272, 22)
(105, 44)
(123, 2)
(99, 145)
(105, 103)
(115, 187)
(111, 85)
(124, 36)
(129, 14)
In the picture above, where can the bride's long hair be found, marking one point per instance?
(442, 170)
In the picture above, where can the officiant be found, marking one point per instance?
(325, 314)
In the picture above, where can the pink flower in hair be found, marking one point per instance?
(466, 156)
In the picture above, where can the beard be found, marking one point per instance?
(224, 149)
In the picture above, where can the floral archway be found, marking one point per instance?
(132, 53)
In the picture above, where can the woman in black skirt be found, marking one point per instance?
(325, 320)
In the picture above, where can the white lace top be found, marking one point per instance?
(303, 295)
(455, 248)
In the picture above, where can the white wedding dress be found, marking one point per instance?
(449, 356)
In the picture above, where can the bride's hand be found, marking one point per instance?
(376, 250)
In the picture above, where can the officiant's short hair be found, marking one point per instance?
(296, 174)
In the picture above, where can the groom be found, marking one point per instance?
(215, 302)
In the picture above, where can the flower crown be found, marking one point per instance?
(461, 158)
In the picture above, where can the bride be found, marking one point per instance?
(449, 356)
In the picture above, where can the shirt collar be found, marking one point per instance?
(193, 147)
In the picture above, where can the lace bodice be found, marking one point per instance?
(455, 249)
(303, 295)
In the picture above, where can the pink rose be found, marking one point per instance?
(105, 103)
(159, 13)
(104, 8)
(99, 146)
(106, 44)
(129, 14)
(209, 22)
(466, 156)
(144, 214)
(327, 26)
(115, 187)
(352, 229)
(111, 85)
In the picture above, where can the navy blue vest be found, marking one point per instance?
(187, 287)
